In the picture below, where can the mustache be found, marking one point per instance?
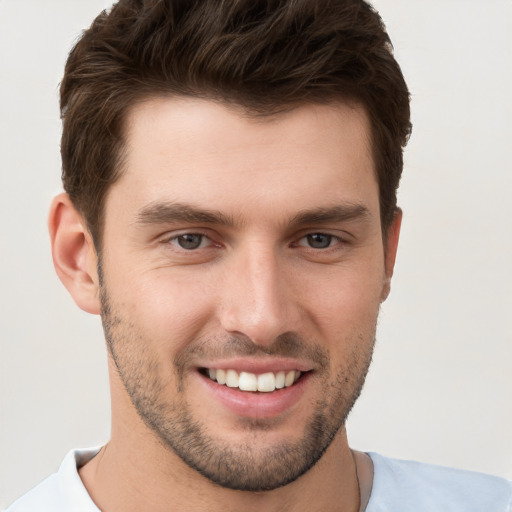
(290, 345)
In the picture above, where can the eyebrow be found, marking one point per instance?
(169, 212)
(334, 214)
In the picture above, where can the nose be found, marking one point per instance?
(258, 299)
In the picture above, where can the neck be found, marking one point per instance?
(153, 478)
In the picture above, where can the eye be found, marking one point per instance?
(190, 241)
(318, 240)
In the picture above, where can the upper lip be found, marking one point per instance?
(258, 365)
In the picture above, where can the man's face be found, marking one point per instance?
(247, 250)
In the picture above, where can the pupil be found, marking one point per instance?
(190, 241)
(319, 240)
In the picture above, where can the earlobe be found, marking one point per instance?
(74, 256)
(390, 249)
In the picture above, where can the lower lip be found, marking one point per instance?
(257, 405)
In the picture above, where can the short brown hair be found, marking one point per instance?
(264, 55)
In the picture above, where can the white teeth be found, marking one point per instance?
(248, 382)
(264, 383)
(221, 376)
(232, 379)
(289, 379)
(280, 380)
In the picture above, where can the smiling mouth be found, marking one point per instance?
(246, 381)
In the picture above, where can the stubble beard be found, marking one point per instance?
(246, 465)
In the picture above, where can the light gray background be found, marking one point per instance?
(440, 389)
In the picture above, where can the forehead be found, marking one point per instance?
(216, 156)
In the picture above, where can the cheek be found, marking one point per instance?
(348, 299)
(169, 308)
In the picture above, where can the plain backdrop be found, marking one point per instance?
(440, 389)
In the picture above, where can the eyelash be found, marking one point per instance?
(331, 238)
(174, 240)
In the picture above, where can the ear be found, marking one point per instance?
(74, 256)
(390, 247)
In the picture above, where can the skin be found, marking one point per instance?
(257, 290)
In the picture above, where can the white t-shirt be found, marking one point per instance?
(398, 486)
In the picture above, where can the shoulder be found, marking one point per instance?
(406, 485)
(61, 492)
(43, 497)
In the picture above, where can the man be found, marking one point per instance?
(230, 211)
